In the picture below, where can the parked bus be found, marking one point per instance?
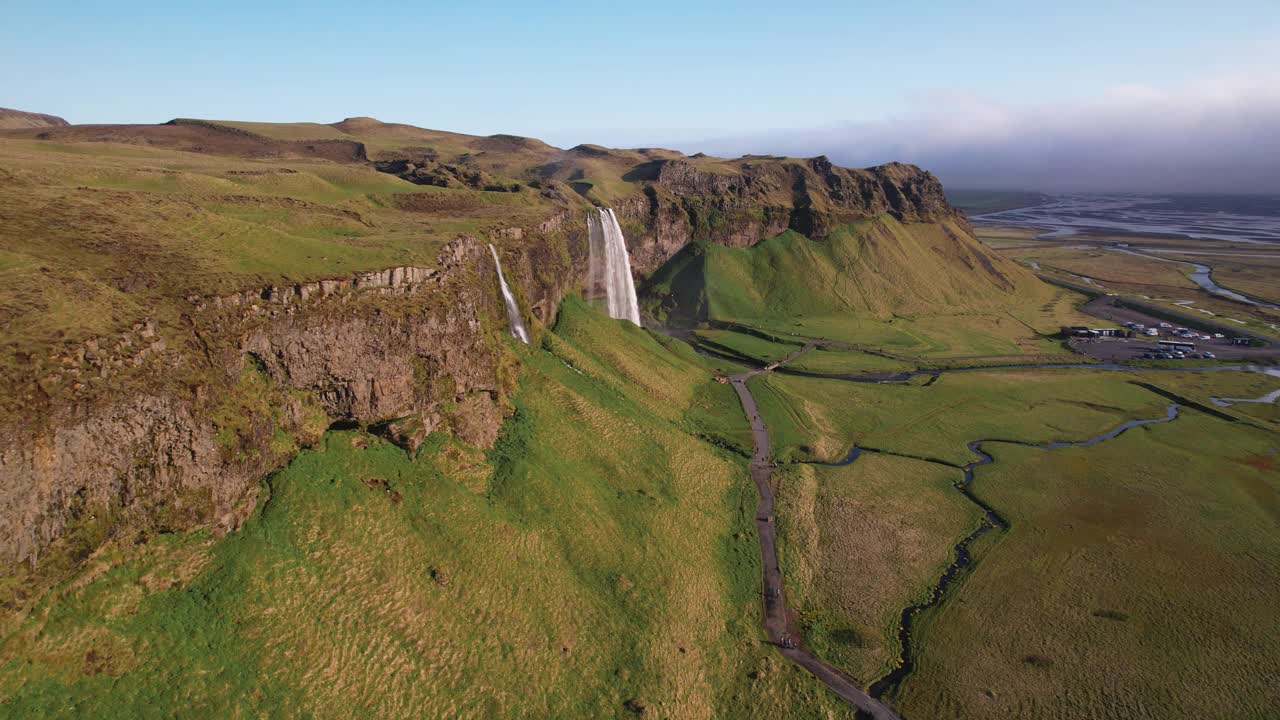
(1177, 345)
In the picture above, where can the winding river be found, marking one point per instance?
(991, 520)
(1202, 275)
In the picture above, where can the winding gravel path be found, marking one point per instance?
(779, 626)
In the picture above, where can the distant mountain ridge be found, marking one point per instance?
(664, 197)
(13, 119)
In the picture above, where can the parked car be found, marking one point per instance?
(1209, 356)
(1219, 336)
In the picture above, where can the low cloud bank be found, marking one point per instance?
(1218, 135)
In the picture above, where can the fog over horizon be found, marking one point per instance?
(1219, 135)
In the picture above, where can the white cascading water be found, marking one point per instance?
(609, 266)
(515, 323)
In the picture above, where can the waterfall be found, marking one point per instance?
(609, 266)
(515, 323)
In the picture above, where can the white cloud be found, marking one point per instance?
(1211, 134)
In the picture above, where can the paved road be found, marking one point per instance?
(778, 624)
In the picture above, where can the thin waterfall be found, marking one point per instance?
(514, 321)
(609, 266)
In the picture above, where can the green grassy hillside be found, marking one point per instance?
(875, 267)
(600, 559)
(920, 289)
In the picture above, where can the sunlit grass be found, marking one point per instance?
(1135, 581)
(601, 553)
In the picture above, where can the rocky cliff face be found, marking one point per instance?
(264, 373)
(764, 197)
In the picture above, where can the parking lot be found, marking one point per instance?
(1117, 349)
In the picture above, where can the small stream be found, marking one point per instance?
(991, 520)
(1267, 399)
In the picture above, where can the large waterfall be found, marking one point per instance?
(516, 324)
(609, 266)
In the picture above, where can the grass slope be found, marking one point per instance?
(928, 290)
(599, 559)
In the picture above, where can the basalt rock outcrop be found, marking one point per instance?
(425, 170)
(681, 201)
(195, 426)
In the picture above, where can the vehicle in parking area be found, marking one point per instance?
(1209, 356)
(1219, 335)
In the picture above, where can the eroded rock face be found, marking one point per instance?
(400, 347)
(367, 366)
(427, 170)
(682, 201)
(99, 461)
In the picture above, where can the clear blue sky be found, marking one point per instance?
(642, 73)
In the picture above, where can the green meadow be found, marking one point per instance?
(861, 542)
(818, 419)
(1134, 579)
(1137, 580)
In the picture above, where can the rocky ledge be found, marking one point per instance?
(190, 427)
